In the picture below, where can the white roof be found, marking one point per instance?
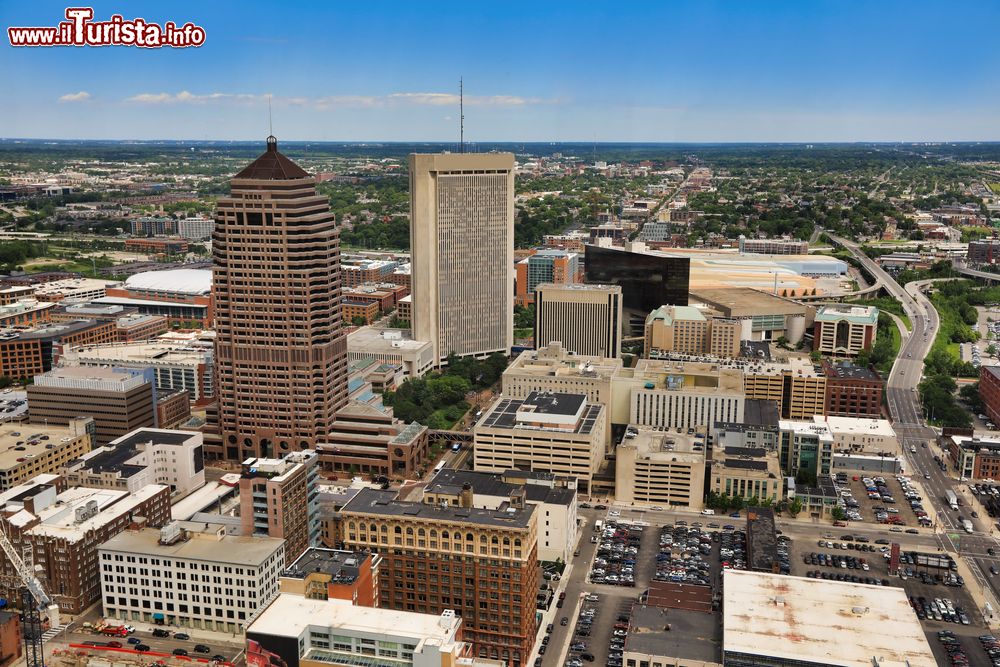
(858, 426)
(821, 622)
(184, 281)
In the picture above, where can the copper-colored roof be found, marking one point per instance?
(272, 166)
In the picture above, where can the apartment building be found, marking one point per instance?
(63, 528)
(278, 498)
(660, 467)
(25, 312)
(845, 330)
(196, 229)
(462, 259)
(29, 450)
(558, 433)
(586, 319)
(144, 456)
(481, 563)
(358, 271)
(192, 575)
(120, 400)
(555, 497)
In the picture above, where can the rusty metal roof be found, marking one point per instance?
(272, 166)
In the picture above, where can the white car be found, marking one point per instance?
(614, 513)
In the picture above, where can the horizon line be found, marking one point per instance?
(587, 142)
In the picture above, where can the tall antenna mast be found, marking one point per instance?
(270, 124)
(461, 116)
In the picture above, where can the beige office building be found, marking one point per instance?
(660, 468)
(562, 434)
(794, 385)
(587, 319)
(462, 245)
(689, 330)
(746, 472)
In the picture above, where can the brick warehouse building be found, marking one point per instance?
(852, 391)
(989, 391)
(481, 563)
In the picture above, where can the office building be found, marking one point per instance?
(153, 226)
(281, 353)
(989, 392)
(159, 246)
(332, 574)
(648, 280)
(845, 329)
(140, 327)
(278, 499)
(855, 435)
(746, 472)
(360, 270)
(762, 315)
(28, 450)
(481, 563)
(687, 330)
(145, 456)
(462, 252)
(63, 529)
(663, 632)
(587, 319)
(196, 229)
(554, 496)
(766, 616)
(120, 400)
(558, 433)
(192, 575)
(359, 313)
(680, 394)
(176, 364)
(366, 440)
(983, 251)
(183, 296)
(852, 391)
(25, 312)
(297, 631)
(758, 429)
(974, 457)
(556, 267)
(793, 384)
(554, 368)
(394, 346)
(806, 447)
(384, 295)
(657, 467)
(782, 246)
(24, 353)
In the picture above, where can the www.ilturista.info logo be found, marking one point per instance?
(81, 30)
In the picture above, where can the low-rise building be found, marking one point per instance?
(766, 616)
(746, 472)
(974, 457)
(184, 296)
(11, 638)
(145, 456)
(862, 436)
(554, 496)
(391, 345)
(333, 574)
(660, 467)
(359, 312)
(559, 433)
(845, 330)
(300, 632)
(78, 289)
(189, 574)
(27, 312)
(24, 353)
(120, 400)
(385, 295)
(140, 327)
(28, 450)
(404, 309)
(762, 315)
(63, 528)
(157, 246)
(852, 391)
(654, 632)
(759, 428)
(366, 440)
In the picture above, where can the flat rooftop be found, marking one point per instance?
(251, 550)
(745, 302)
(566, 413)
(70, 285)
(822, 622)
(450, 481)
(374, 340)
(555, 361)
(687, 375)
(55, 330)
(853, 314)
(157, 436)
(848, 370)
(858, 426)
(154, 353)
(342, 566)
(385, 503)
(693, 636)
(291, 615)
(33, 439)
(665, 445)
(760, 412)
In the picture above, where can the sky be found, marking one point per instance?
(667, 71)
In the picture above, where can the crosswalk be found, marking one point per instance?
(52, 632)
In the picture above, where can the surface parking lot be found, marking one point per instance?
(886, 500)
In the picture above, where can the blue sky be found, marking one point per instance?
(534, 71)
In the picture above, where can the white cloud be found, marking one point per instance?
(81, 96)
(337, 101)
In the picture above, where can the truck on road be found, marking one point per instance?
(952, 499)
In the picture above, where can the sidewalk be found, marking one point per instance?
(197, 634)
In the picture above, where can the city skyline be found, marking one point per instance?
(694, 72)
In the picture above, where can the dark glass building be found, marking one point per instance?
(647, 281)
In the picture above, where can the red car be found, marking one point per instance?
(115, 644)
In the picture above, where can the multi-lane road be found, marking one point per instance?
(916, 438)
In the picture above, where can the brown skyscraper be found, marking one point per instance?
(281, 355)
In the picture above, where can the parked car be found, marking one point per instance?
(180, 651)
(201, 648)
(183, 636)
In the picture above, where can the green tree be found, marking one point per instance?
(838, 514)
(795, 506)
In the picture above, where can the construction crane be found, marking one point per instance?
(35, 599)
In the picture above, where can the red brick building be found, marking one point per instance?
(157, 246)
(853, 391)
(332, 574)
(989, 391)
